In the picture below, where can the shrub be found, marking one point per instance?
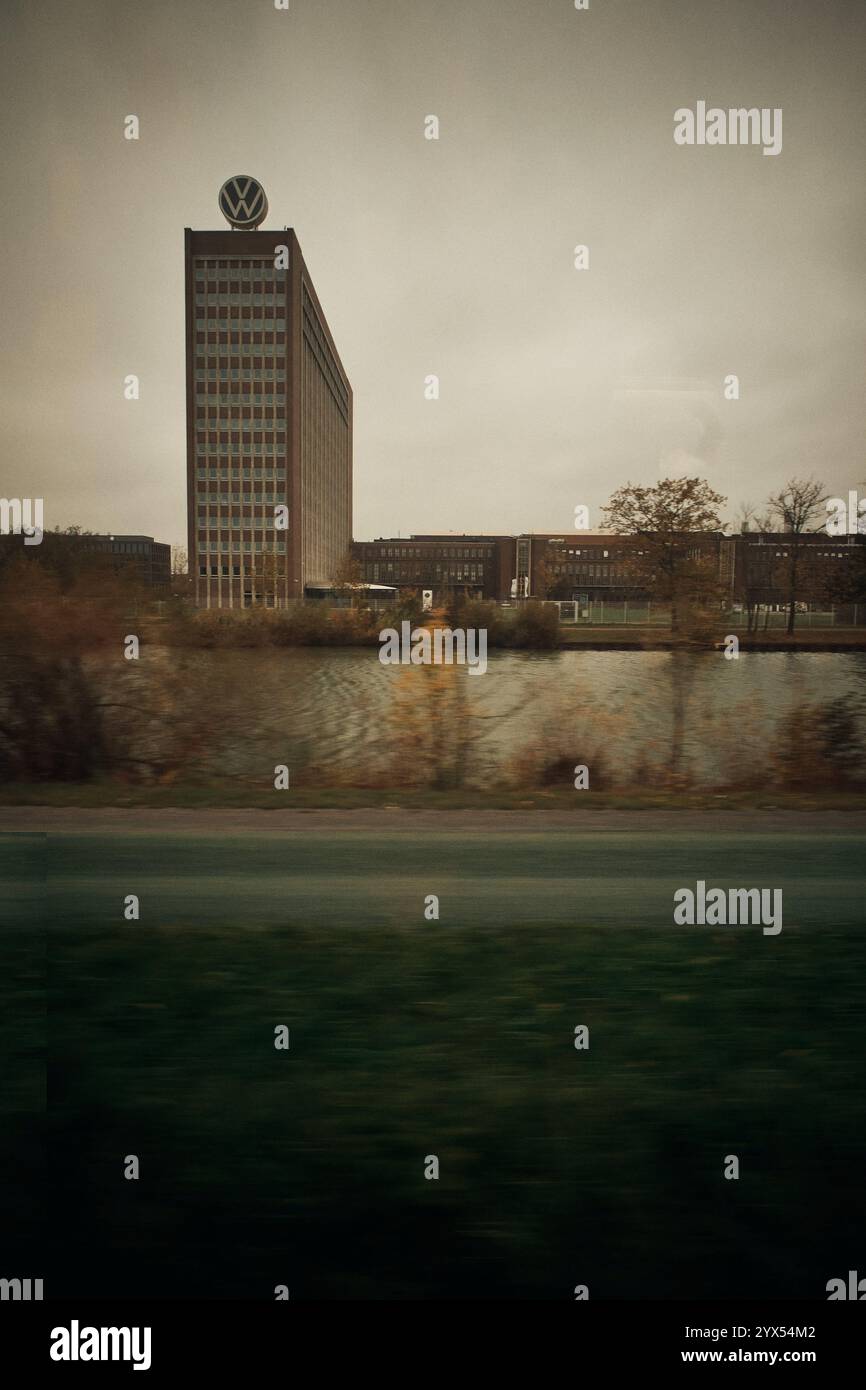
(818, 745)
(533, 625)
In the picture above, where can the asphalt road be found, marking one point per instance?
(337, 877)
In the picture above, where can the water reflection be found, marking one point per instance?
(339, 717)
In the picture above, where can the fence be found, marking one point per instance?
(613, 612)
(608, 612)
(851, 615)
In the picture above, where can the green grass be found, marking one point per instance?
(557, 1166)
(452, 1038)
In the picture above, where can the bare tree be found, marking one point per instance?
(796, 509)
(268, 570)
(751, 518)
(181, 586)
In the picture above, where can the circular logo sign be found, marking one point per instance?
(243, 203)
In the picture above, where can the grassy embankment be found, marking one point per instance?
(829, 639)
(453, 1038)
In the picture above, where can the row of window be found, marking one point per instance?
(214, 360)
(239, 342)
(403, 552)
(388, 572)
(215, 402)
(214, 415)
(249, 495)
(237, 407)
(596, 552)
(240, 436)
(253, 300)
(251, 595)
(206, 451)
(265, 371)
(266, 500)
(268, 317)
(251, 527)
(275, 327)
(592, 552)
(224, 474)
(243, 288)
(272, 547)
(236, 340)
(219, 571)
(251, 282)
(596, 571)
(810, 553)
(219, 468)
(243, 268)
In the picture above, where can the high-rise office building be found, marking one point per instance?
(269, 416)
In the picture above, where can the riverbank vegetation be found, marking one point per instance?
(187, 711)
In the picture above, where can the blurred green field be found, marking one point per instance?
(452, 1038)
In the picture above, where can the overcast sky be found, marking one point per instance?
(453, 257)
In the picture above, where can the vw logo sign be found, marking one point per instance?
(243, 203)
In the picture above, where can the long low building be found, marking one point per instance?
(149, 560)
(589, 567)
(756, 566)
(474, 566)
(583, 566)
